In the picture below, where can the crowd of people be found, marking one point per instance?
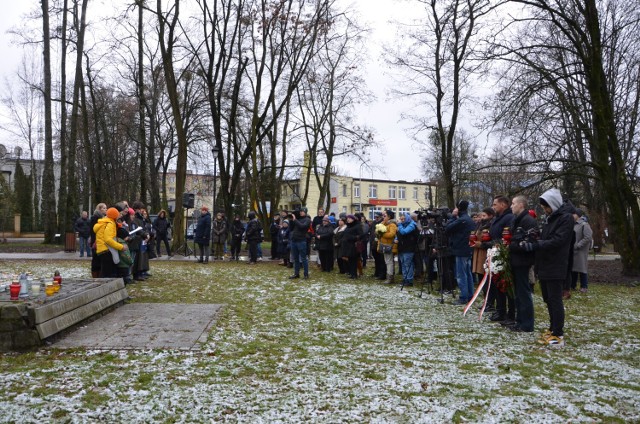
(122, 239)
(554, 254)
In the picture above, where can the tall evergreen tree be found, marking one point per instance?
(23, 188)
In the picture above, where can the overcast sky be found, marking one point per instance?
(395, 158)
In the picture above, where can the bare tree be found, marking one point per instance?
(23, 104)
(331, 89)
(560, 45)
(167, 26)
(439, 60)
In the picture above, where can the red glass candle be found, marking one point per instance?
(14, 290)
(485, 236)
(506, 235)
(473, 238)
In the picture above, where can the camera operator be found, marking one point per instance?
(521, 261)
(458, 230)
(552, 261)
(300, 224)
(378, 259)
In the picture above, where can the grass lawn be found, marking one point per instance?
(332, 350)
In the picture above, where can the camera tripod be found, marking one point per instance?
(185, 245)
(439, 245)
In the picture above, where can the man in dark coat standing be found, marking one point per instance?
(202, 234)
(458, 230)
(521, 261)
(83, 231)
(502, 219)
(552, 261)
(299, 228)
(253, 234)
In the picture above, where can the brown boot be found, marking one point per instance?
(95, 274)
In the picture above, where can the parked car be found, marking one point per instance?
(191, 229)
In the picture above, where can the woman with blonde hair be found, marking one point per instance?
(100, 212)
(386, 232)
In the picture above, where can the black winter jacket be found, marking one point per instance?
(203, 229)
(350, 235)
(554, 247)
(324, 237)
(254, 230)
(161, 225)
(299, 228)
(519, 227)
(458, 231)
(83, 227)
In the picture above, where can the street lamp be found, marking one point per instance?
(215, 152)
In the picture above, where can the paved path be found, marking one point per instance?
(146, 326)
(71, 256)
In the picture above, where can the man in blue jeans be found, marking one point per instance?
(300, 224)
(458, 230)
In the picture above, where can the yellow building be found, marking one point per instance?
(350, 195)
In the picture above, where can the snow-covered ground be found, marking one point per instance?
(329, 350)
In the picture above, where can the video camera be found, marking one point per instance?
(438, 216)
(521, 235)
(295, 212)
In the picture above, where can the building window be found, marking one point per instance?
(356, 190)
(373, 211)
(344, 190)
(344, 209)
(373, 191)
(402, 193)
(415, 193)
(392, 192)
(403, 210)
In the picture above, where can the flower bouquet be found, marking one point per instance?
(498, 265)
(497, 270)
(380, 229)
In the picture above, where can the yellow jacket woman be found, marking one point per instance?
(385, 239)
(106, 229)
(388, 237)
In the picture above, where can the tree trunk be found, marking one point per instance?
(48, 179)
(64, 172)
(72, 188)
(607, 154)
(166, 47)
(144, 176)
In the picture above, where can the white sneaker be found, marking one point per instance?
(555, 342)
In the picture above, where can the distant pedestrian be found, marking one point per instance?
(202, 235)
(162, 225)
(82, 227)
(584, 238)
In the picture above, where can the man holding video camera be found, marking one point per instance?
(458, 230)
(552, 261)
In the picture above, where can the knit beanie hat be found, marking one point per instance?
(113, 213)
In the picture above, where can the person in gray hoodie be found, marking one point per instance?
(552, 252)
